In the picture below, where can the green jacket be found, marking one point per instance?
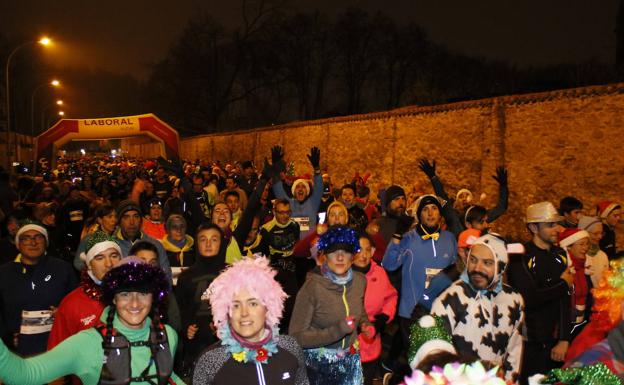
(81, 355)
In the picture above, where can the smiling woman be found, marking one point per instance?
(247, 305)
(137, 348)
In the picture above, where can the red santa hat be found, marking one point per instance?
(569, 236)
(604, 208)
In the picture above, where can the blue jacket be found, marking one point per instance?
(416, 255)
(307, 209)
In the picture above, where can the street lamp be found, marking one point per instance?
(61, 113)
(59, 102)
(53, 83)
(45, 41)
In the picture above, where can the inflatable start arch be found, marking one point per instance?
(66, 130)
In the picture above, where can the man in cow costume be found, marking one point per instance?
(484, 315)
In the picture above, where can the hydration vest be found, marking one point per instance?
(116, 368)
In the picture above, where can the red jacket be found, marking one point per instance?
(76, 312)
(380, 297)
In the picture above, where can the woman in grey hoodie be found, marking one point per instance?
(329, 312)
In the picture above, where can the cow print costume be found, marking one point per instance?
(485, 324)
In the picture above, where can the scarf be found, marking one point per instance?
(427, 232)
(172, 247)
(581, 289)
(337, 279)
(245, 351)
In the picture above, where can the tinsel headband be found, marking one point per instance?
(132, 274)
(339, 238)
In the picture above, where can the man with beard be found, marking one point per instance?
(545, 281)
(357, 217)
(423, 252)
(394, 220)
(304, 204)
(482, 314)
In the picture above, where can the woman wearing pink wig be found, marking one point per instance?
(247, 304)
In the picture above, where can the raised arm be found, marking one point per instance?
(430, 170)
(503, 195)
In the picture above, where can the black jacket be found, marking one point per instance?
(607, 243)
(31, 288)
(216, 366)
(537, 276)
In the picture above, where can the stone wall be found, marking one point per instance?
(554, 144)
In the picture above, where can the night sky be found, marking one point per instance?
(126, 36)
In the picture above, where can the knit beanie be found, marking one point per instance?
(175, 221)
(428, 335)
(569, 236)
(392, 193)
(585, 222)
(427, 200)
(127, 205)
(30, 225)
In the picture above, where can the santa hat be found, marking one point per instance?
(464, 191)
(569, 236)
(97, 243)
(604, 208)
(306, 184)
(428, 335)
(31, 226)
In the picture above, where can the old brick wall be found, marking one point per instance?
(554, 144)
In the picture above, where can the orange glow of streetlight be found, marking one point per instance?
(45, 41)
(59, 102)
(61, 113)
(55, 83)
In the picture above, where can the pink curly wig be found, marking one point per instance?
(257, 277)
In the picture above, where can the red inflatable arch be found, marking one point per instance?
(66, 130)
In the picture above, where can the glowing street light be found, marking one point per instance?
(53, 83)
(45, 41)
(61, 113)
(59, 102)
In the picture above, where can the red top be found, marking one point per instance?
(380, 297)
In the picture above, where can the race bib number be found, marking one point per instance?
(429, 274)
(304, 223)
(36, 321)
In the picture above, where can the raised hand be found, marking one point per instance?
(501, 176)
(315, 158)
(277, 154)
(428, 168)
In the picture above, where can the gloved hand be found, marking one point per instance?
(404, 222)
(315, 158)
(501, 176)
(380, 322)
(368, 332)
(277, 154)
(428, 168)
